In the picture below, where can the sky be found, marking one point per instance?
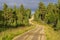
(32, 4)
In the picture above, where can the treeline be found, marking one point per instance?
(50, 14)
(14, 17)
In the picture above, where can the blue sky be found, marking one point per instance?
(32, 4)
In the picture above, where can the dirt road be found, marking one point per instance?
(34, 34)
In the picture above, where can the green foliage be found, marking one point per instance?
(14, 17)
(50, 14)
(58, 25)
(40, 12)
(1, 17)
(37, 15)
(42, 9)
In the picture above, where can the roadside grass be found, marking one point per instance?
(11, 33)
(50, 33)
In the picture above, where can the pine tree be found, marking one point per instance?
(5, 7)
(42, 9)
(40, 12)
(1, 18)
(58, 24)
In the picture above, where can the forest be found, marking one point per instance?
(14, 17)
(15, 21)
(49, 14)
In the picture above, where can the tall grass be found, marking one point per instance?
(11, 33)
(51, 34)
